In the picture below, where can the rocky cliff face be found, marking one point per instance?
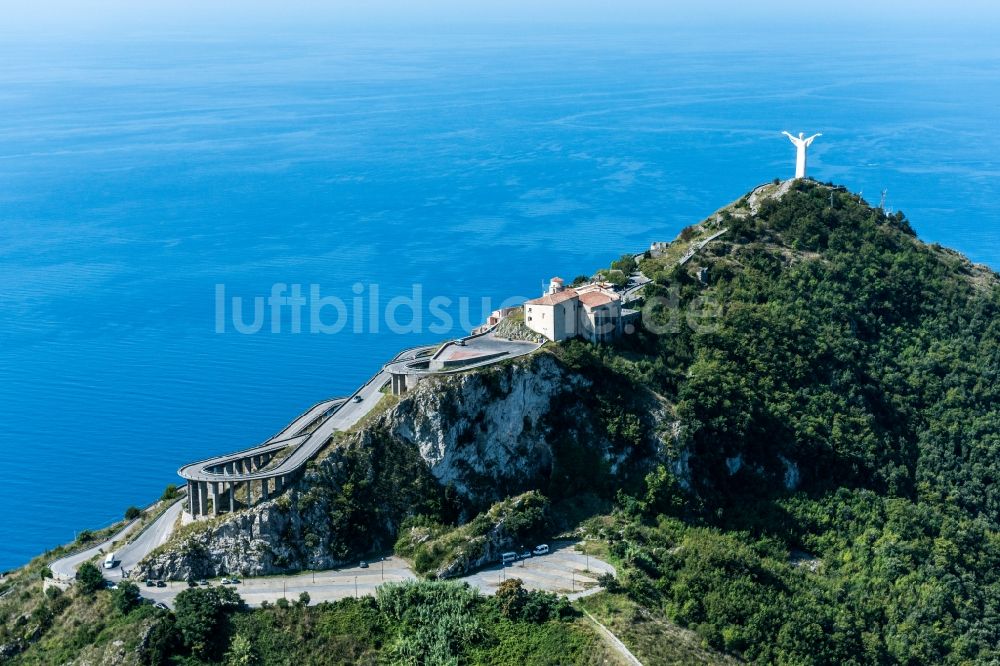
(487, 434)
(450, 448)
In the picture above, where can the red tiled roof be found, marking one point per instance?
(593, 299)
(558, 279)
(552, 299)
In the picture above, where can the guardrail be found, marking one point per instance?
(266, 443)
(308, 439)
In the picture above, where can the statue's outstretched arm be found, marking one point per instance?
(812, 138)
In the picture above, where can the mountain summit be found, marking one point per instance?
(789, 458)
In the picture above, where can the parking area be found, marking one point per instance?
(563, 570)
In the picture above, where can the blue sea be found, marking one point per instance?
(141, 175)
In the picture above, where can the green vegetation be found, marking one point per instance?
(201, 614)
(56, 627)
(808, 478)
(407, 623)
(505, 525)
(651, 638)
(846, 405)
(89, 578)
(126, 597)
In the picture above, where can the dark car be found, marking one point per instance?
(150, 583)
(358, 398)
(363, 565)
(192, 582)
(203, 582)
(160, 583)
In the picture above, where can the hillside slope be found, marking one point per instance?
(793, 458)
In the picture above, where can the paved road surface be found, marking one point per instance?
(156, 534)
(561, 571)
(636, 282)
(485, 345)
(130, 554)
(346, 415)
(65, 568)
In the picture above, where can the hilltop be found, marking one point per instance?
(791, 460)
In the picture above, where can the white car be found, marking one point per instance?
(542, 549)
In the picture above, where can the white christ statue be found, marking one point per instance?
(801, 143)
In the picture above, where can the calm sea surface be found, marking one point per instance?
(137, 174)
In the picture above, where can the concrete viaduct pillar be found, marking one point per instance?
(203, 498)
(192, 499)
(215, 498)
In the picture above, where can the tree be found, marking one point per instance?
(241, 652)
(200, 613)
(627, 264)
(169, 493)
(89, 578)
(663, 493)
(126, 597)
(510, 598)
(132, 513)
(304, 599)
(162, 642)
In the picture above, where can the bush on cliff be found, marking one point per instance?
(89, 578)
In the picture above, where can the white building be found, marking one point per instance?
(591, 311)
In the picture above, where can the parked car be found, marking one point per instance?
(235, 581)
(150, 583)
(363, 565)
(507, 558)
(525, 555)
(224, 581)
(203, 582)
(160, 605)
(108, 585)
(358, 398)
(160, 583)
(541, 549)
(192, 582)
(460, 342)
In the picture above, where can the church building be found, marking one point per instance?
(592, 311)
